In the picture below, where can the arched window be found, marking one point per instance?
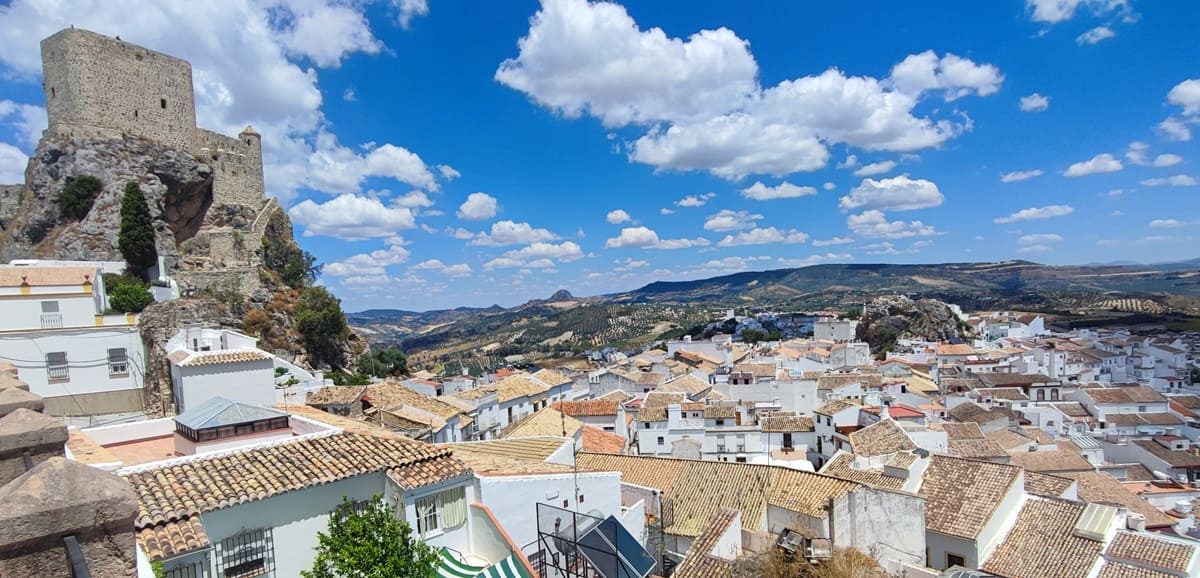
(1041, 396)
(1054, 395)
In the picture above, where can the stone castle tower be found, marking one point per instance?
(102, 87)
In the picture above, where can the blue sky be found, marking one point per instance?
(436, 154)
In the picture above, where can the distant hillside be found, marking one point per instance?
(1003, 281)
(564, 324)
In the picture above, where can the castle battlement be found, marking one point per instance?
(102, 87)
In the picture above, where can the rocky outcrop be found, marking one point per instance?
(178, 189)
(157, 324)
(886, 319)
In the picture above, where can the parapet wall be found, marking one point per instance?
(100, 86)
(237, 166)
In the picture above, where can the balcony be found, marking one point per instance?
(52, 321)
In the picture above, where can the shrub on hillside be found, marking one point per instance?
(320, 321)
(127, 294)
(77, 196)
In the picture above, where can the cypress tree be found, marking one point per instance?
(136, 237)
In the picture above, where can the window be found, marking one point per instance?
(162, 103)
(787, 440)
(720, 422)
(661, 441)
(741, 443)
(443, 510)
(118, 363)
(192, 569)
(56, 367)
(49, 306)
(247, 554)
(955, 560)
(51, 317)
(1141, 408)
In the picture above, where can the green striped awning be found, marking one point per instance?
(509, 567)
(451, 567)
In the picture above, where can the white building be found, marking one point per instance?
(208, 363)
(56, 328)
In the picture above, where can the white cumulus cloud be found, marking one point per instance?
(764, 236)
(832, 241)
(895, 194)
(695, 200)
(351, 217)
(373, 263)
(1035, 213)
(647, 238)
(1034, 103)
(511, 233)
(873, 169)
(730, 220)
(478, 207)
(784, 190)
(1095, 35)
(1101, 163)
(1017, 176)
(618, 216)
(1172, 181)
(1167, 223)
(874, 224)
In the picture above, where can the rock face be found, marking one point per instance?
(561, 295)
(886, 319)
(157, 324)
(178, 189)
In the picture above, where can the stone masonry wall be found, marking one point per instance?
(101, 86)
(237, 165)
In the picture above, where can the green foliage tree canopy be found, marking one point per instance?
(320, 320)
(136, 236)
(77, 196)
(383, 362)
(368, 541)
(128, 295)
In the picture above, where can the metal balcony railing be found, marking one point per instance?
(52, 321)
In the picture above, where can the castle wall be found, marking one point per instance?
(101, 86)
(237, 166)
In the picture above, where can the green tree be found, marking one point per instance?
(128, 295)
(77, 196)
(753, 335)
(136, 236)
(320, 320)
(383, 363)
(295, 266)
(368, 541)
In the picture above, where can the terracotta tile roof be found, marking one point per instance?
(1136, 419)
(180, 489)
(599, 441)
(786, 423)
(1146, 550)
(1187, 401)
(1135, 394)
(1013, 379)
(970, 412)
(347, 424)
(1005, 393)
(700, 561)
(955, 349)
(551, 377)
(518, 386)
(963, 431)
(697, 489)
(654, 406)
(882, 437)
(1041, 543)
(172, 538)
(1177, 459)
(687, 383)
(836, 380)
(545, 422)
(641, 377)
(219, 357)
(1052, 461)
(85, 450)
(14, 276)
(720, 412)
(618, 395)
(1118, 570)
(1046, 485)
(588, 407)
(474, 394)
(523, 449)
(1071, 409)
(388, 395)
(842, 466)
(335, 395)
(961, 494)
(979, 449)
(1009, 439)
(757, 369)
(1103, 488)
(834, 406)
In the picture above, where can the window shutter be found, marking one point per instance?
(454, 507)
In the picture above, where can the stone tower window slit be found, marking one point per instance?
(162, 102)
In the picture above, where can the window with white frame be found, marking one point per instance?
(247, 554)
(118, 362)
(56, 366)
(441, 511)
